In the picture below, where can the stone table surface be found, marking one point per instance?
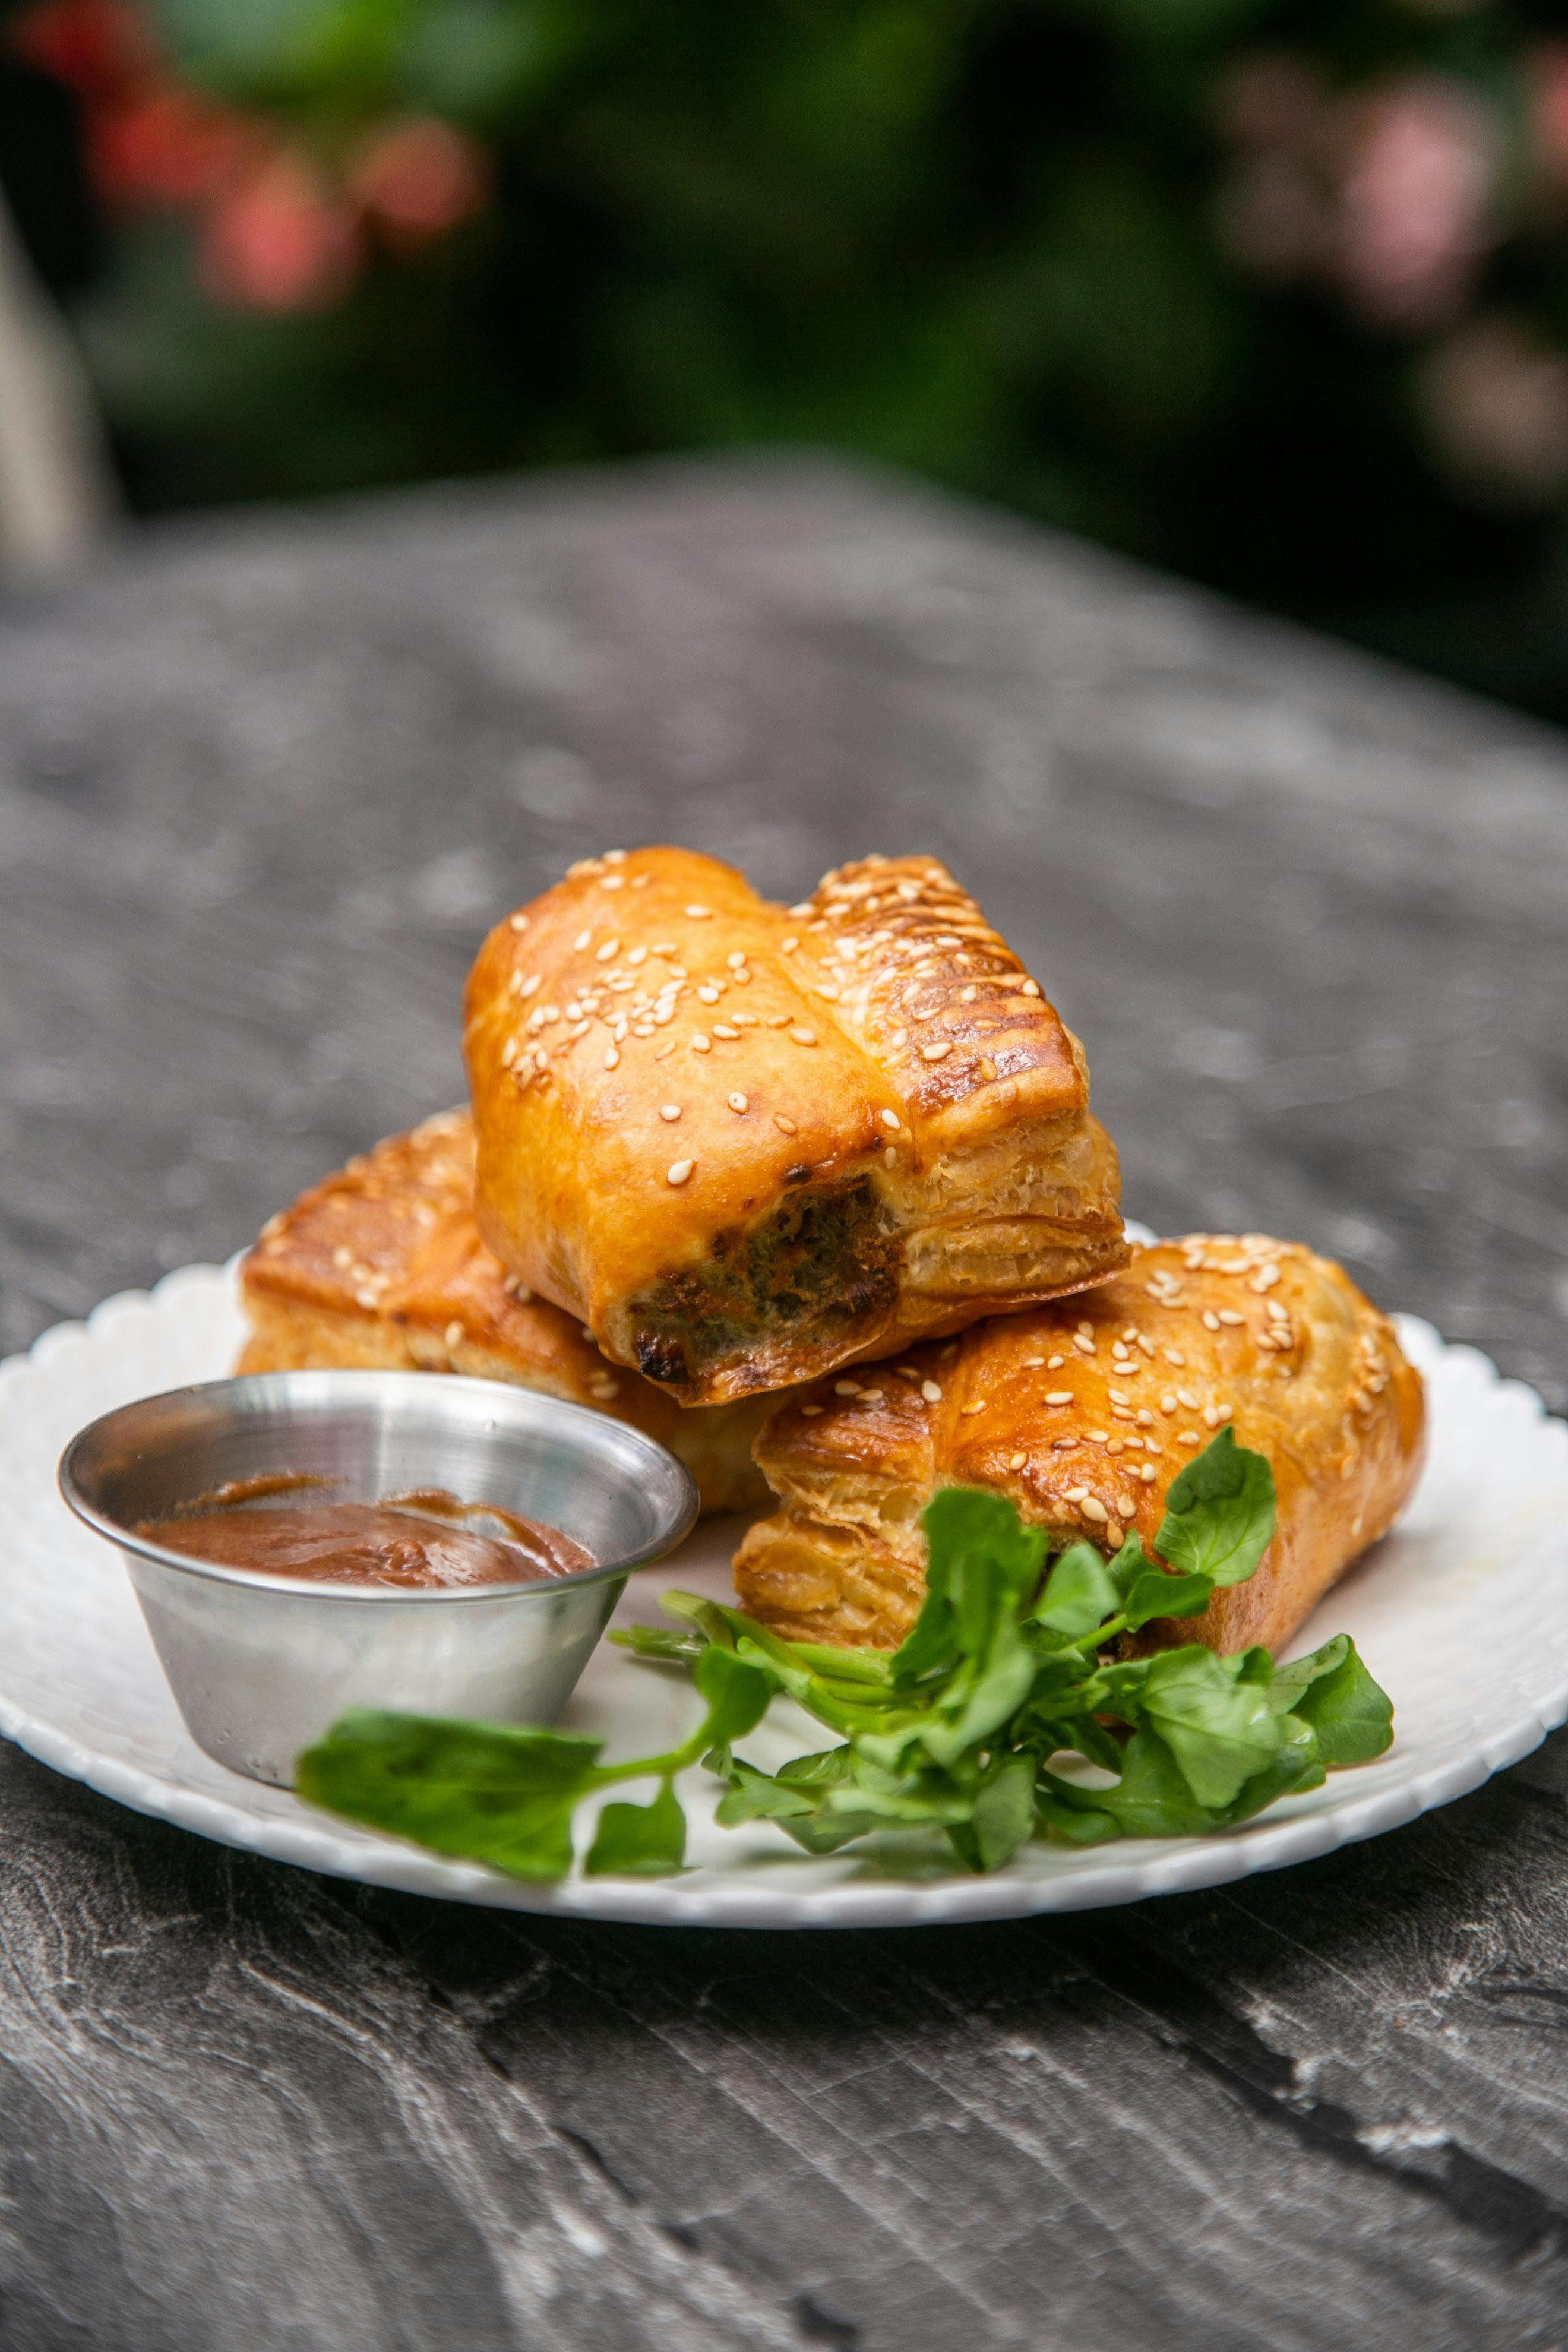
(263, 784)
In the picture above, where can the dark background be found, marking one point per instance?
(1274, 295)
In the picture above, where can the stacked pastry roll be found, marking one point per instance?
(813, 1194)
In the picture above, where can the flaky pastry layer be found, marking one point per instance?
(1081, 1414)
(747, 1144)
(381, 1267)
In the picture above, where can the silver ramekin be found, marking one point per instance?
(260, 1664)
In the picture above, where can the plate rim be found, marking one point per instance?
(1155, 1867)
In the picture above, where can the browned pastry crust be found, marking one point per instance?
(1081, 1414)
(747, 1144)
(381, 1267)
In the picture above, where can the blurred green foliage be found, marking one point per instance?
(977, 238)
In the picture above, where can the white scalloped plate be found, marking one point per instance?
(1462, 1614)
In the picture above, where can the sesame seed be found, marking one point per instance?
(1085, 1346)
(1096, 1437)
(1223, 1412)
(1053, 1363)
(846, 1388)
(1145, 1418)
(613, 882)
(722, 1029)
(641, 881)
(1093, 1508)
(737, 1102)
(1030, 988)
(669, 1110)
(899, 1037)
(831, 994)
(784, 1126)
(1228, 1315)
(930, 1392)
(890, 1158)
(610, 948)
(1146, 1472)
(701, 1044)
(949, 1352)
(1168, 1403)
(342, 1256)
(788, 947)
(813, 1412)
(1146, 1344)
(614, 857)
(708, 993)
(935, 1053)
(1075, 1493)
(1265, 1279)
(1059, 1445)
(804, 1036)
(1119, 1350)
(638, 956)
(454, 1335)
(1014, 1462)
(1115, 1446)
(890, 1121)
(612, 1059)
(972, 1408)
(1058, 1396)
(1186, 1396)
(1174, 1356)
(680, 1170)
(518, 922)
(967, 995)
(1118, 1396)
(529, 984)
(699, 914)
(1188, 1437)
(582, 940)
(1087, 1328)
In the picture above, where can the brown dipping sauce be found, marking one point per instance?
(409, 1542)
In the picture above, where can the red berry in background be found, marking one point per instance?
(281, 240)
(417, 179)
(173, 146)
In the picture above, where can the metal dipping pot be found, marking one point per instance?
(261, 1665)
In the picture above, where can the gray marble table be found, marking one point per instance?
(263, 782)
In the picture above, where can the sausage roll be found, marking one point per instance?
(381, 1267)
(747, 1144)
(1081, 1414)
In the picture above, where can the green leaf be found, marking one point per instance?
(639, 1841)
(1296, 1766)
(487, 1792)
(1219, 1729)
(1219, 1512)
(1074, 1825)
(1153, 1798)
(737, 1696)
(661, 1641)
(1079, 1593)
(1003, 1816)
(1155, 1594)
(1351, 1714)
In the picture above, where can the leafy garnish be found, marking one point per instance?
(959, 1732)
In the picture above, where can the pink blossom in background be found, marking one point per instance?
(1494, 399)
(1548, 85)
(1419, 160)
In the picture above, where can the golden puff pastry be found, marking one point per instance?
(747, 1144)
(381, 1267)
(1081, 1414)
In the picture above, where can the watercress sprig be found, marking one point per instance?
(1011, 1666)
